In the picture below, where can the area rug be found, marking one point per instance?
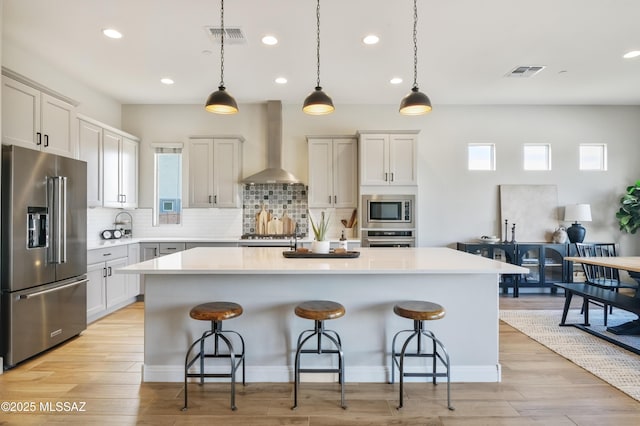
(611, 363)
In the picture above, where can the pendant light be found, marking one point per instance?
(221, 102)
(416, 102)
(318, 103)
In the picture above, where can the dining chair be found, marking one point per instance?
(601, 276)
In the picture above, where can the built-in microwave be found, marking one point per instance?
(388, 211)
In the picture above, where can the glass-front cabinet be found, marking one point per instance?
(545, 262)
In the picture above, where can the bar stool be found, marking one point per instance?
(420, 311)
(216, 312)
(319, 311)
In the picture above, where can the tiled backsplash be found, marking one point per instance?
(277, 199)
(224, 223)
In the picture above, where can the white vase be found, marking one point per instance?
(320, 246)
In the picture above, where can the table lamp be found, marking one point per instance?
(577, 213)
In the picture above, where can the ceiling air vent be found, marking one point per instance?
(524, 72)
(232, 35)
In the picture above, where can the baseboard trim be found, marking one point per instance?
(284, 374)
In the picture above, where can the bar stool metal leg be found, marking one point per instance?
(319, 331)
(439, 352)
(234, 359)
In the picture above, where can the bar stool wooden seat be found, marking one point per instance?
(319, 311)
(420, 311)
(216, 312)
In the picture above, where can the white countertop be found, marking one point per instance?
(99, 244)
(262, 260)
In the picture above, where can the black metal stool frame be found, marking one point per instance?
(235, 359)
(442, 355)
(334, 338)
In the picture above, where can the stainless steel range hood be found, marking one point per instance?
(274, 172)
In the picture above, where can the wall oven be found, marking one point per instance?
(388, 211)
(388, 238)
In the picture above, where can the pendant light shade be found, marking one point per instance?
(220, 101)
(416, 102)
(318, 102)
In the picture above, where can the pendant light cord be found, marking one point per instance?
(415, 44)
(221, 43)
(318, 42)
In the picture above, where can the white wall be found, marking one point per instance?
(91, 102)
(454, 204)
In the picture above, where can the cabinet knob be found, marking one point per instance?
(46, 140)
(386, 176)
(38, 138)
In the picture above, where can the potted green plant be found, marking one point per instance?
(321, 244)
(629, 214)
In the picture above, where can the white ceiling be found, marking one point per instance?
(465, 49)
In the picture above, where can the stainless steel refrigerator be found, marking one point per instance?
(44, 252)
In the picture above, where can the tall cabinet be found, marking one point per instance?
(215, 171)
(37, 118)
(333, 171)
(388, 158)
(112, 164)
(120, 156)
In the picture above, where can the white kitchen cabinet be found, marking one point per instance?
(96, 291)
(106, 290)
(112, 164)
(90, 138)
(388, 158)
(215, 170)
(116, 284)
(133, 280)
(120, 159)
(333, 172)
(37, 120)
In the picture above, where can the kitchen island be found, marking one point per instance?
(269, 286)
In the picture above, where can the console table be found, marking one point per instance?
(545, 261)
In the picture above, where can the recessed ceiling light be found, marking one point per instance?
(166, 80)
(395, 80)
(269, 40)
(371, 39)
(111, 33)
(632, 54)
(281, 80)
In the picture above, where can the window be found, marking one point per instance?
(481, 156)
(537, 157)
(168, 180)
(593, 157)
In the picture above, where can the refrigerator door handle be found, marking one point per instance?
(58, 186)
(51, 290)
(63, 233)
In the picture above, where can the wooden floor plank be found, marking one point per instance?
(102, 369)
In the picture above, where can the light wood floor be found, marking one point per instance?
(102, 369)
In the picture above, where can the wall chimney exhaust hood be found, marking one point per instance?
(274, 172)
